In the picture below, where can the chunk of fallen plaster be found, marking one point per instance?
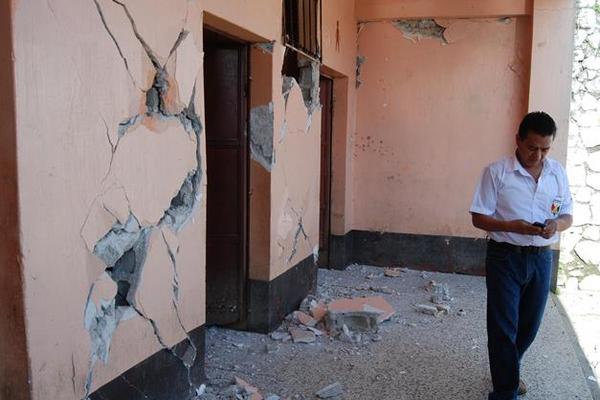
(307, 303)
(443, 308)
(440, 292)
(330, 391)
(360, 321)
(280, 336)
(427, 309)
(302, 336)
(250, 391)
(392, 272)
(304, 319)
(377, 304)
(318, 311)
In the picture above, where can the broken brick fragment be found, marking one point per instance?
(369, 304)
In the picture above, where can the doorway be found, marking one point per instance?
(326, 97)
(226, 115)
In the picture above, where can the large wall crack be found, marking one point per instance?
(123, 247)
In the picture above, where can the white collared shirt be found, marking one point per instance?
(507, 192)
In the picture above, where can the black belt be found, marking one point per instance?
(518, 249)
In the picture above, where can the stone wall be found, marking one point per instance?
(580, 245)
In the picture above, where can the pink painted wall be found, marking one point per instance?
(81, 70)
(339, 62)
(376, 10)
(430, 116)
(553, 30)
(77, 179)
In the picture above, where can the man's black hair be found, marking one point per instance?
(538, 122)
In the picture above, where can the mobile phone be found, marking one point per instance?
(539, 225)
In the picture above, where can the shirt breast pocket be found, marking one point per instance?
(551, 198)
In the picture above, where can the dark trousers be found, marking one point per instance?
(517, 289)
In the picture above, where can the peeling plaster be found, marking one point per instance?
(262, 120)
(415, 30)
(266, 47)
(310, 76)
(120, 225)
(360, 60)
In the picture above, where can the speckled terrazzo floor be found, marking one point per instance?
(419, 356)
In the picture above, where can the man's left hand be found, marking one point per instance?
(550, 229)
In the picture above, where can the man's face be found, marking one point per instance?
(533, 149)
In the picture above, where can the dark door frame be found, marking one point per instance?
(324, 257)
(244, 121)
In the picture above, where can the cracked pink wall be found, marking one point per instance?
(75, 85)
(95, 156)
(430, 116)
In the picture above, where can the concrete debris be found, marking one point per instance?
(280, 336)
(427, 309)
(440, 293)
(461, 313)
(436, 310)
(248, 388)
(318, 311)
(238, 390)
(316, 331)
(201, 390)
(304, 319)
(331, 391)
(392, 272)
(302, 336)
(361, 321)
(376, 289)
(443, 308)
(308, 303)
(364, 304)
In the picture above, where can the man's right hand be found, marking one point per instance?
(524, 227)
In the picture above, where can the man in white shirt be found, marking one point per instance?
(522, 201)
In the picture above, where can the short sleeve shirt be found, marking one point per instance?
(506, 191)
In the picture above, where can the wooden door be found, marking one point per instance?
(326, 94)
(225, 83)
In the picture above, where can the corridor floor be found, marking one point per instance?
(415, 356)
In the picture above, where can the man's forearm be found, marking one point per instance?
(489, 224)
(564, 222)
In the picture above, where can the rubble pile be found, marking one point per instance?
(238, 390)
(348, 319)
(440, 299)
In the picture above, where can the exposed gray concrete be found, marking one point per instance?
(415, 356)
